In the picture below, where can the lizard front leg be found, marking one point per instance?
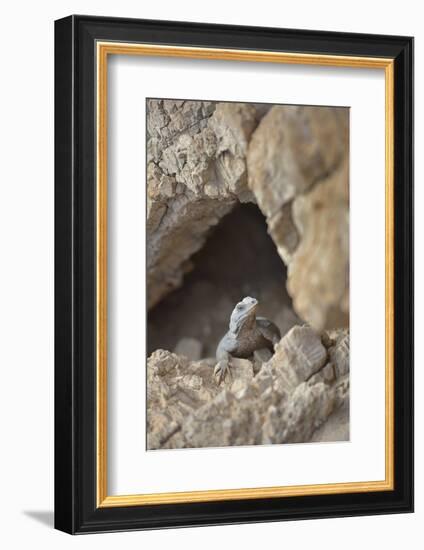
(223, 367)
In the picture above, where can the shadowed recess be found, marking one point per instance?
(239, 259)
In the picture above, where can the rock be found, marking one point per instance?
(302, 385)
(322, 219)
(292, 148)
(233, 125)
(160, 428)
(297, 170)
(205, 157)
(298, 356)
(306, 410)
(336, 428)
(327, 375)
(196, 172)
(241, 375)
(162, 362)
(189, 347)
(222, 422)
(339, 353)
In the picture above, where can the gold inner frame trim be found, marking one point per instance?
(103, 50)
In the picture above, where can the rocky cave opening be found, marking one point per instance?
(287, 171)
(238, 259)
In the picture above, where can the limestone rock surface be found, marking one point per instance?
(196, 172)
(288, 400)
(298, 172)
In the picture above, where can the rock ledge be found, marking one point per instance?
(292, 395)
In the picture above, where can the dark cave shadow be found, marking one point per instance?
(46, 517)
(239, 258)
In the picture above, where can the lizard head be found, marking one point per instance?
(244, 314)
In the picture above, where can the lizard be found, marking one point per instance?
(247, 333)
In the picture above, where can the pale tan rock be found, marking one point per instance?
(336, 427)
(292, 148)
(339, 354)
(222, 422)
(303, 350)
(318, 274)
(241, 375)
(290, 398)
(298, 356)
(233, 124)
(196, 172)
(327, 375)
(160, 428)
(298, 171)
(306, 410)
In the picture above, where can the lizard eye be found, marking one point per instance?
(239, 306)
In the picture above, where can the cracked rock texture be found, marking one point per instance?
(196, 172)
(300, 394)
(298, 171)
(203, 158)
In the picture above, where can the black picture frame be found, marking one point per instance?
(76, 509)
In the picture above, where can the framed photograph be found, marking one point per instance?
(234, 274)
